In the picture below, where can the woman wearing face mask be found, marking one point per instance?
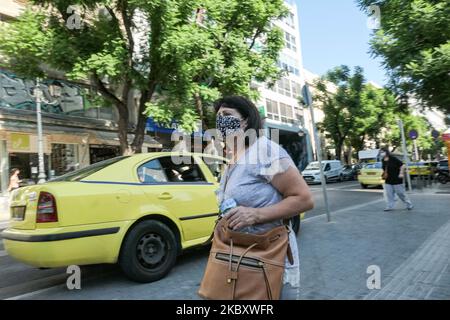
(261, 186)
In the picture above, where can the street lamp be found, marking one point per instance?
(38, 94)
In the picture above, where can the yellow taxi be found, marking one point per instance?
(371, 175)
(420, 169)
(140, 211)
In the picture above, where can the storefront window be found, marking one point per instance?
(99, 153)
(64, 158)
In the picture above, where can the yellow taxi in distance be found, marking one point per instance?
(371, 174)
(140, 211)
(420, 169)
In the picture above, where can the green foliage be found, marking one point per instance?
(414, 42)
(217, 56)
(354, 110)
(180, 58)
(392, 136)
(25, 40)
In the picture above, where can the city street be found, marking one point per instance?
(334, 256)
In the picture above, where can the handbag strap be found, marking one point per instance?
(234, 274)
(227, 175)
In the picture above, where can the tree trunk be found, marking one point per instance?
(349, 157)
(199, 107)
(123, 128)
(139, 134)
(339, 150)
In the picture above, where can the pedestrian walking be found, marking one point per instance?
(14, 180)
(260, 190)
(393, 174)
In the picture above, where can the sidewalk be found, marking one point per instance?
(412, 249)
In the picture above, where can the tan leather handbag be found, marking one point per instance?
(245, 266)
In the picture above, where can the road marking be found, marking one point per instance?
(359, 190)
(344, 209)
(33, 293)
(348, 185)
(3, 253)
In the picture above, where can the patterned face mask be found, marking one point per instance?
(228, 125)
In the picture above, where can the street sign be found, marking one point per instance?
(435, 134)
(262, 111)
(413, 134)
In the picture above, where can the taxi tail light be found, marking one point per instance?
(46, 208)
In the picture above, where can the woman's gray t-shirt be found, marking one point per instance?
(248, 183)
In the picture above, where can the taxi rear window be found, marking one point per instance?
(77, 175)
(373, 166)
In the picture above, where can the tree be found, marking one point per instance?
(231, 44)
(414, 43)
(354, 110)
(154, 47)
(377, 106)
(392, 136)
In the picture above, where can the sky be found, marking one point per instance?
(335, 32)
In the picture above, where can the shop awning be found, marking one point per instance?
(284, 126)
(95, 136)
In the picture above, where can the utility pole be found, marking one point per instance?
(405, 153)
(308, 101)
(38, 95)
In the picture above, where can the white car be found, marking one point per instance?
(332, 171)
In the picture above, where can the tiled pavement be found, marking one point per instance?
(412, 249)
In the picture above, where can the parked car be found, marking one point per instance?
(371, 174)
(332, 171)
(139, 211)
(442, 165)
(417, 169)
(350, 172)
(442, 173)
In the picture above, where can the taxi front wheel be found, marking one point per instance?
(148, 252)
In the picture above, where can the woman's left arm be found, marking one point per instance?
(296, 199)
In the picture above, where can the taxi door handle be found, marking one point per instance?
(165, 196)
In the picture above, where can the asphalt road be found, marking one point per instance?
(19, 281)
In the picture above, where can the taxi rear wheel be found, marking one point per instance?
(364, 186)
(148, 252)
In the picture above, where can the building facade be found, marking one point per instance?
(280, 103)
(76, 132)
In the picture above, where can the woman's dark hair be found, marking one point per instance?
(386, 149)
(245, 107)
(13, 170)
